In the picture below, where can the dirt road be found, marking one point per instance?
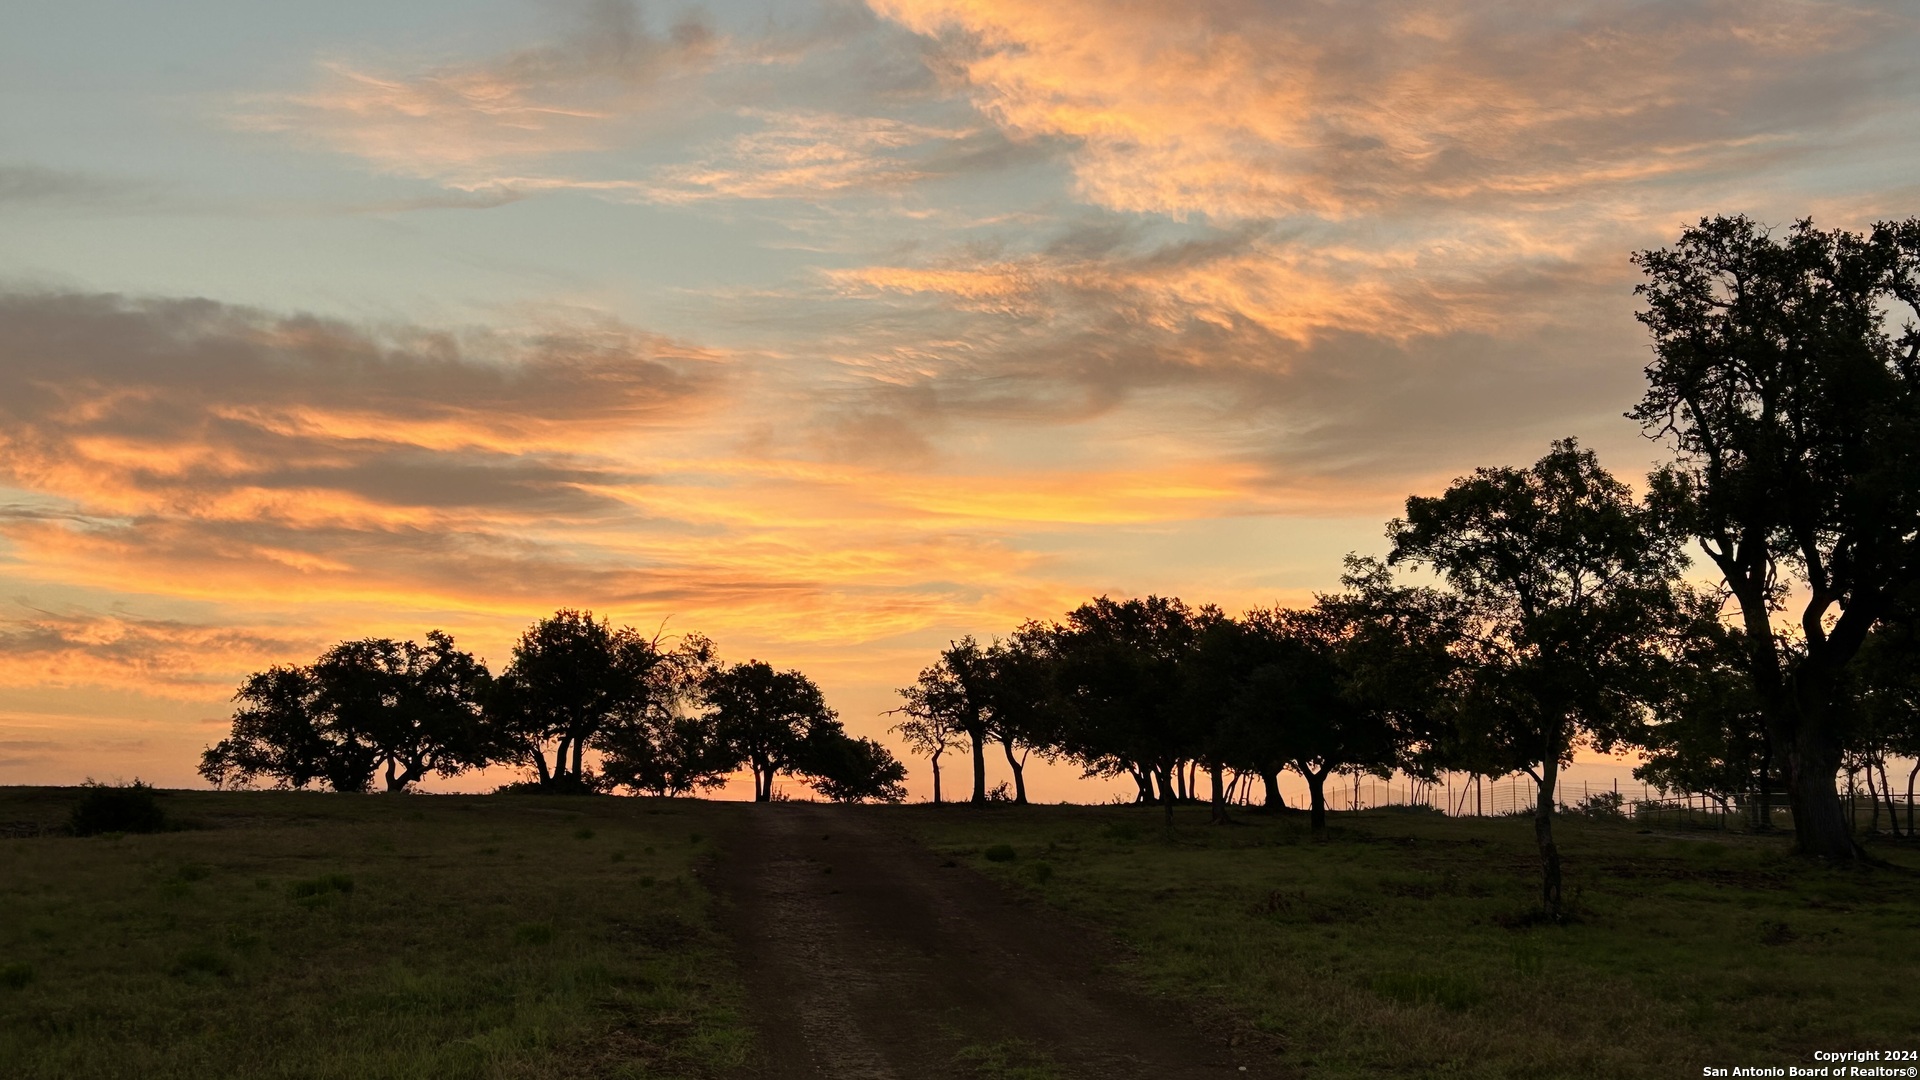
(866, 957)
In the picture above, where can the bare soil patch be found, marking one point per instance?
(866, 956)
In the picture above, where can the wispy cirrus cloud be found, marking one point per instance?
(172, 657)
(463, 123)
(1253, 110)
(190, 451)
(818, 156)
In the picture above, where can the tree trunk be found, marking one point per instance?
(1316, 798)
(395, 782)
(1144, 781)
(1910, 775)
(579, 748)
(1019, 773)
(1217, 794)
(1166, 792)
(1821, 827)
(1274, 800)
(540, 764)
(762, 782)
(560, 758)
(1886, 792)
(1543, 830)
(979, 766)
(936, 778)
(1873, 800)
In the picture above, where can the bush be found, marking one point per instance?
(115, 808)
(1000, 853)
(1603, 804)
(562, 785)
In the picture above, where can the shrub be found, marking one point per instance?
(1000, 853)
(116, 808)
(1603, 804)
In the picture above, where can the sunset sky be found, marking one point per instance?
(831, 330)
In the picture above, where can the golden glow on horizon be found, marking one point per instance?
(987, 306)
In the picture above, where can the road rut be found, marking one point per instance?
(867, 957)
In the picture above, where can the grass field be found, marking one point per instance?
(289, 934)
(1402, 944)
(286, 934)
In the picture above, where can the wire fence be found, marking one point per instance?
(1872, 811)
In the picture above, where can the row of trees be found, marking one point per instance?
(658, 719)
(1549, 608)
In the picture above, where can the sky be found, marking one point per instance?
(833, 331)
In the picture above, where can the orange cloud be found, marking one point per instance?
(1245, 110)
(162, 657)
(461, 123)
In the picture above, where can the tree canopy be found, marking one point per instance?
(1792, 405)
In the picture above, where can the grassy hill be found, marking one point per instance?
(292, 934)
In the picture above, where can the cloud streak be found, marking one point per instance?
(463, 122)
(1226, 108)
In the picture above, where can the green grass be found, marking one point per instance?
(288, 934)
(1407, 945)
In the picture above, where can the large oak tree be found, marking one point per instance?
(1792, 402)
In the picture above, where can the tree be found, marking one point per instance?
(851, 770)
(934, 714)
(1793, 411)
(654, 743)
(410, 708)
(1022, 713)
(275, 735)
(1566, 586)
(1888, 680)
(1704, 731)
(771, 720)
(1122, 688)
(969, 677)
(570, 680)
(666, 755)
(417, 707)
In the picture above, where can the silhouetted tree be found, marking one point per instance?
(654, 742)
(1794, 413)
(277, 735)
(1023, 714)
(769, 720)
(1122, 691)
(416, 706)
(1704, 731)
(364, 705)
(852, 770)
(571, 679)
(1566, 584)
(1888, 679)
(933, 712)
